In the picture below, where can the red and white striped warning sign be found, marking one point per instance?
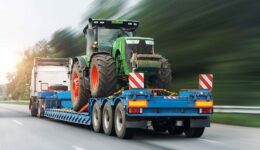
(136, 80)
(206, 81)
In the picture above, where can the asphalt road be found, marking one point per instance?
(19, 131)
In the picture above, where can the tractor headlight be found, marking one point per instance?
(132, 41)
(149, 42)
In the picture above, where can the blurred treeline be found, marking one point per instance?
(197, 36)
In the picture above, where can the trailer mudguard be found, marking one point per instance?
(196, 122)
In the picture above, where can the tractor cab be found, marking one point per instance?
(101, 34)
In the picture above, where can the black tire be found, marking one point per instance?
(194, 132)
(163, 77)
(40, 109)
(103, 77)
(83, 84)
(120, 123)
(159, 126)
(96, 118)
(34, 109)
(108, 119)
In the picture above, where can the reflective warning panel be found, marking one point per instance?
(206, 81)
(136, 80)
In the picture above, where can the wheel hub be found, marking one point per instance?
(75, 86)
(95, 77)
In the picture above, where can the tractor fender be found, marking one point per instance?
(97, 53)
(82, 62)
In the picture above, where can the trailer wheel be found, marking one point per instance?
(107, 119)
(194, 132)
(103, 77)
(120, 123)
(79, 88)
(34, 109)
(96, 118)
(159, 126)
(40, 109)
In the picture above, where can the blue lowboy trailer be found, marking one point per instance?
(176, 113)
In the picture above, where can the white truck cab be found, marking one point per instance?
(48, 73)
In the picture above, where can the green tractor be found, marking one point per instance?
(113, 51)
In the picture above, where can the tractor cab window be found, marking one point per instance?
(139, 47)
(106, 38)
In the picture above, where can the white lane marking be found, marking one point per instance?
(18, 122)
(77, 147)
(211, 141)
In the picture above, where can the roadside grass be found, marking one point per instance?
(248, 120)
(15, 102)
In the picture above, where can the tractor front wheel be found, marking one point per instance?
(79, 88)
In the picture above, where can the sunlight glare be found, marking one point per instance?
(8, 60)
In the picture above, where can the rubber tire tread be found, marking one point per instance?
(34, 109)
(125, 133)
(107, 75)
(84, 93)
(110, 129)
(163, 78)
(157, 127)
(40, 110)
(194, 132)
(97, 127)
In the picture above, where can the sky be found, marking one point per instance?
(24, 22)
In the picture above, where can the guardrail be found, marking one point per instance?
(238, 109)
(14, 101)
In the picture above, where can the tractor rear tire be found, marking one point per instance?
(79, 88)
(163, 78)
(103, 77)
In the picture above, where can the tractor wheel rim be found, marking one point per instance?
(75, 86)
(95, 75)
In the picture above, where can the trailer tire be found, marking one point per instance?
(163, 78)
(103, 76)
(108, 119)
(194, 132)
(34, 109)
(40, 109)
(120, 123)
(158, 126)
(96, 118)
(79, 88)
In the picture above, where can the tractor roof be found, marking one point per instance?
(138, 38)
(112, 24)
